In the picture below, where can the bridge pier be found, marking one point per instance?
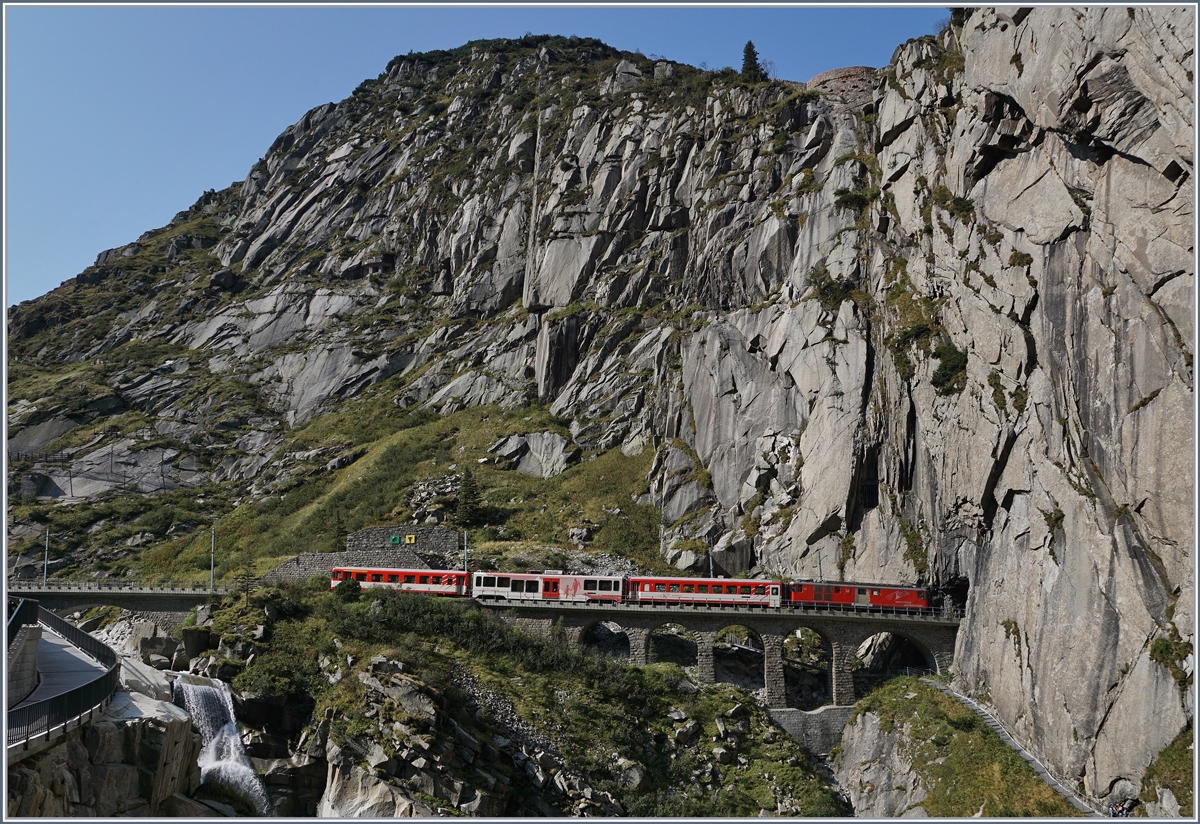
(773, 674)
(639, 641)
(841, 671)
(705, 662)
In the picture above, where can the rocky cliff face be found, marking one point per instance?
(939, 332)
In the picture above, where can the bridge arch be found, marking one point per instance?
(606, 637)
(673, 642)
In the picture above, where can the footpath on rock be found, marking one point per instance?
(988, 719)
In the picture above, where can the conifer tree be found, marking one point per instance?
(468, 499)
(752, 70)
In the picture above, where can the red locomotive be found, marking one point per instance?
(554, 585)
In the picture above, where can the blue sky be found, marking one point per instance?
(116, 118)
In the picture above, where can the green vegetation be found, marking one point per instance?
(951, 375)
(962, 764)
(752, 70)
(1170, 653)
(1172, 770)
(1054, 520)
(592, 707)
(1020, 259)
(998, 397)
(914, 551)
(467, 511)
(961, 207)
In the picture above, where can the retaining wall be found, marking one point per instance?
(22, 664)
(819, 730)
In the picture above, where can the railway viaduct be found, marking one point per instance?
(841, 631)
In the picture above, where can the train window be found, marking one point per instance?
(862, 590)
(545, 586)
(774, 590)
(517, 586)
(410, 579)
(673, 588)
(531, 586)
(837, 589)
(606, 586)
(360, 576)
(701, 587)
(377, 578)
(874, 592)
(554, 586)
(645, 587)
(478, 580)
(660, 587)
(589, 586)
(436, 579)
(689, 587)
(489, 580)
(424, 579)
(760, 590)
(502, 581)
(745, 590)
(392, 579)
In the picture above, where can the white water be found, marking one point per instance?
(222, 758)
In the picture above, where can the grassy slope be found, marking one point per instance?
(316, 509)
(1172, 770)
(961, 763)
(594, 709)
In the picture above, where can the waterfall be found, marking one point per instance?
(222, 758)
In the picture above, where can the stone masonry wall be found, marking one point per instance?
(404, 547)
(422, 539)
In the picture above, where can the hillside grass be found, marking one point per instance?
(1172, 769)
(524, 520)
(964, 766)
(595, 709)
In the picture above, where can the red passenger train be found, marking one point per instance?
(554, 585)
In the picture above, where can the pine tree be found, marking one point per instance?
(752, 70)
(468, 499)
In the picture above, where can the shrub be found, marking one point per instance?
(348, 590)
(951, 375)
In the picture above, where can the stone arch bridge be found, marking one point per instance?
(842, 632)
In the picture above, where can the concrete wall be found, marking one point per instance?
(22, 664)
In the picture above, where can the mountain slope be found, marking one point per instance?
(938, 331)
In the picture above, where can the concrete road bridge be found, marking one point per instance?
(62, 596)
(842, 631)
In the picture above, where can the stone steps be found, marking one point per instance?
(1007, 738)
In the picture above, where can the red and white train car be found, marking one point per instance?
(428, 581)
(547, 586)
(717, 591)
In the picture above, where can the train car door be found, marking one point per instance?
(774, 595)
(861, 597)
(550, 588)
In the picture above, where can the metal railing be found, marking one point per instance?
(43, 718)
(24, 611)
(97, 649)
